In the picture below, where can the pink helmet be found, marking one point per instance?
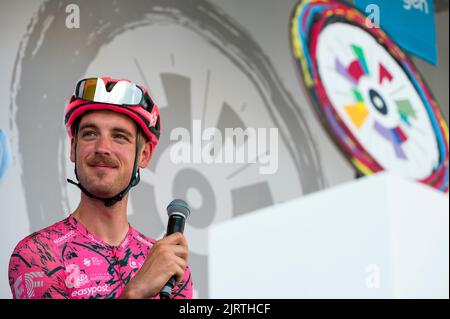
(118, 95)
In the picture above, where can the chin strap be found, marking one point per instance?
(135, 178)
(111, 200)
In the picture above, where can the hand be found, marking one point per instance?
(167, 258)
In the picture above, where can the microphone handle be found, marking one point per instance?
(166, 291)
(175, 224)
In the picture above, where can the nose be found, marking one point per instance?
(102, 146)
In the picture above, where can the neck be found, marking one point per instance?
(109, 224)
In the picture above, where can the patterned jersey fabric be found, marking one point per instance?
(66, 261)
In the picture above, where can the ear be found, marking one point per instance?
(72, 150)
(145, 155)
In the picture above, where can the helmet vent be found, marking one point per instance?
(109, 86)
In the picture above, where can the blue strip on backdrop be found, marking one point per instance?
(5, 154)
(410, 23)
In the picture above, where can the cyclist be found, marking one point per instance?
(114, 127)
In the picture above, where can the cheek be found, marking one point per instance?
(82, 152)
(126, 156)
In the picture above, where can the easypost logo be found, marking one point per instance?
(90, 291)
(211, 147)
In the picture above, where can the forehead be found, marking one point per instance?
(108, 119)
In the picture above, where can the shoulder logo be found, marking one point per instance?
(144, 241)
(60, 240)
(24, 288)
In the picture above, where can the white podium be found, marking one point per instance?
(376, 237)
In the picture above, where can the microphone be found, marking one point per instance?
(178, 210)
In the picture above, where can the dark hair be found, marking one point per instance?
(142, 137)
(76, 124)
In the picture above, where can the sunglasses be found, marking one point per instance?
(118, 93)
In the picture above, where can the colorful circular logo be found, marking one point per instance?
(368, 94)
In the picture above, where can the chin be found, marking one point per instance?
(104, 186)
(102, 193)
(104, 190)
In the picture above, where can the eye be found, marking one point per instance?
(88, 134)
(121, 137)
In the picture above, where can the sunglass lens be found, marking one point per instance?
(86, 90)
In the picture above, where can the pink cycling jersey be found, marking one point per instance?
(66, 261)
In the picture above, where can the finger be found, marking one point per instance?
(175, 238)
(167, 251)
(181, 268)
(176, 267)
(180, 251)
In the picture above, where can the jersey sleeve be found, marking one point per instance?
(35, 272)
(184, 288)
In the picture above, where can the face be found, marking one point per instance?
(106, 146)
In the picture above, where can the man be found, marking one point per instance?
(95, 253)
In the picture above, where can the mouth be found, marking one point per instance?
(102, 167)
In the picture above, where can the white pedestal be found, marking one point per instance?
(376, 237)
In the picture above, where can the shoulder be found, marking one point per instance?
(43, 244)
(35, 265)
(143, 239)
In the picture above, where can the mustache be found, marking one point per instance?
(99, 159)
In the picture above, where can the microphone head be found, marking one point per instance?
(179, 207)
